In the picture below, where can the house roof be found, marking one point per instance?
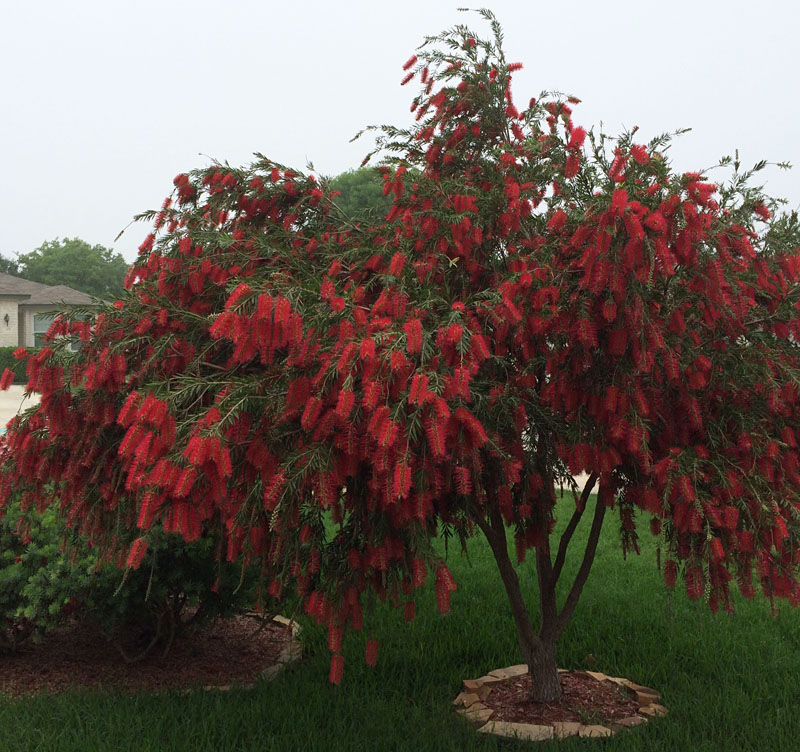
(35, 293)
(58, 294)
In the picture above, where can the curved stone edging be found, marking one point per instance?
(290, 653)
(469, 703)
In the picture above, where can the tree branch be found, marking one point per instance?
(495, 533)
(566, 536)
(586, 565)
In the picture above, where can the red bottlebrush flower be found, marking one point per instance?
(694, 582)
(397, 263)
(419, 388)
(407, 78)
(557, 221)
(378, 421)
(670, 573)
(337, 665)
(7, 379)
(640, 154)
(576, 138)
(388, 433)
(136, 554)
(435, 438)
(472, 424)
(454, 334)
(442, 598)
(185, 482)
(371, 657)
(408, 63)
(619, 200)
(344, 403)
(334, 638)
(408, 611)
(656, 222)
(462, 477)
(717, 551)
(372, 395)
(572, 165)
(20, 353)
(762, 211)
(311, 414)
(147, 245)
(479, 348)
(367, 349)
(514, 67)
(418, 573)
(615, 172)
(345, 359)
(402, 481)
(413, 331)
(609, 310)
(397, 361)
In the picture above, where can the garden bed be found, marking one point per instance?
(228, 652)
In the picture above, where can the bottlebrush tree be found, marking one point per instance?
(538, 303)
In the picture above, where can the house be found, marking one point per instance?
(27, 309)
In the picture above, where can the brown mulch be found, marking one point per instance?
(227, 652)
(584, 700)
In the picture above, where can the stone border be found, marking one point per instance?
(469, 704)
(290, 653)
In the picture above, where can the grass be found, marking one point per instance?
(730, 682)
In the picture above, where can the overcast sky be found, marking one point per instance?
(103, 102)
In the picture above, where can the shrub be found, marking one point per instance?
(49, 574)
(7, 360)
(38, 583)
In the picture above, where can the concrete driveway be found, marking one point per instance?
(14, 401)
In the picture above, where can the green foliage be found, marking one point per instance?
(178, 585)
(92, 269)
(7, 360)
(9, 266)
(362, 194)
(48, 574)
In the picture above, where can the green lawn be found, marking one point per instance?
(731, 682)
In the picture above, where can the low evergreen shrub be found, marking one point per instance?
(49, 575)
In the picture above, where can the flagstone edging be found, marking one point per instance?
(469, 704)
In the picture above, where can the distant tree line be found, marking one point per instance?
(93, 269)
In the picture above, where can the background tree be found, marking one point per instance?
(362, 196)
(93, 269)
(538, 302)
(9, 266)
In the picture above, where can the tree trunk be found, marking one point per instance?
(539, 649)
(545, 682)
(538, 654)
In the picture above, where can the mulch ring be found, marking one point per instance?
(229, 652)
(592, 705)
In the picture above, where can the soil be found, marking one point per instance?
(227, 652)
(584, 700)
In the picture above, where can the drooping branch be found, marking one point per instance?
(586, 565)
(566, 536)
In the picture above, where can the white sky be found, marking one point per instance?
(102, 102)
